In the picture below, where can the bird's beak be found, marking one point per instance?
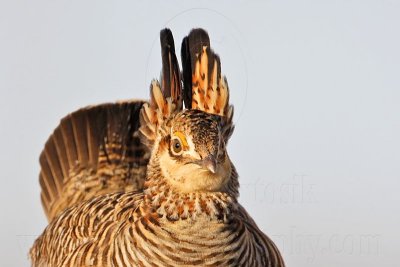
(210, 163)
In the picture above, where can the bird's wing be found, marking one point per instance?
(204, 87)
(165, 98)
(269, 252)
(95, 150)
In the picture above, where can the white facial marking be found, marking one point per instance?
(192, 149)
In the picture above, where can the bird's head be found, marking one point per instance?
(186, 125)
(191, 153)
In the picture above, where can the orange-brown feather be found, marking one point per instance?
(205, 88)
(165, 98)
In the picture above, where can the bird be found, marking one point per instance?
(150, 183)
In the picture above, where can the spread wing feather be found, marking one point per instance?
(99, 150)
(95, 150)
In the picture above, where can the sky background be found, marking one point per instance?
(315, 84)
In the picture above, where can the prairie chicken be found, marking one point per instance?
(151, 183)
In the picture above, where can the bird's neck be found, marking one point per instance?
(172, 204)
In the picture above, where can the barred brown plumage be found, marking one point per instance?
(93, 151)
(160, 193)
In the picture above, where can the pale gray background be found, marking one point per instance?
(316, 89)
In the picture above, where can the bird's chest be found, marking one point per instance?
(192, 243)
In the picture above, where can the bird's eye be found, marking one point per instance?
(176, 146)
